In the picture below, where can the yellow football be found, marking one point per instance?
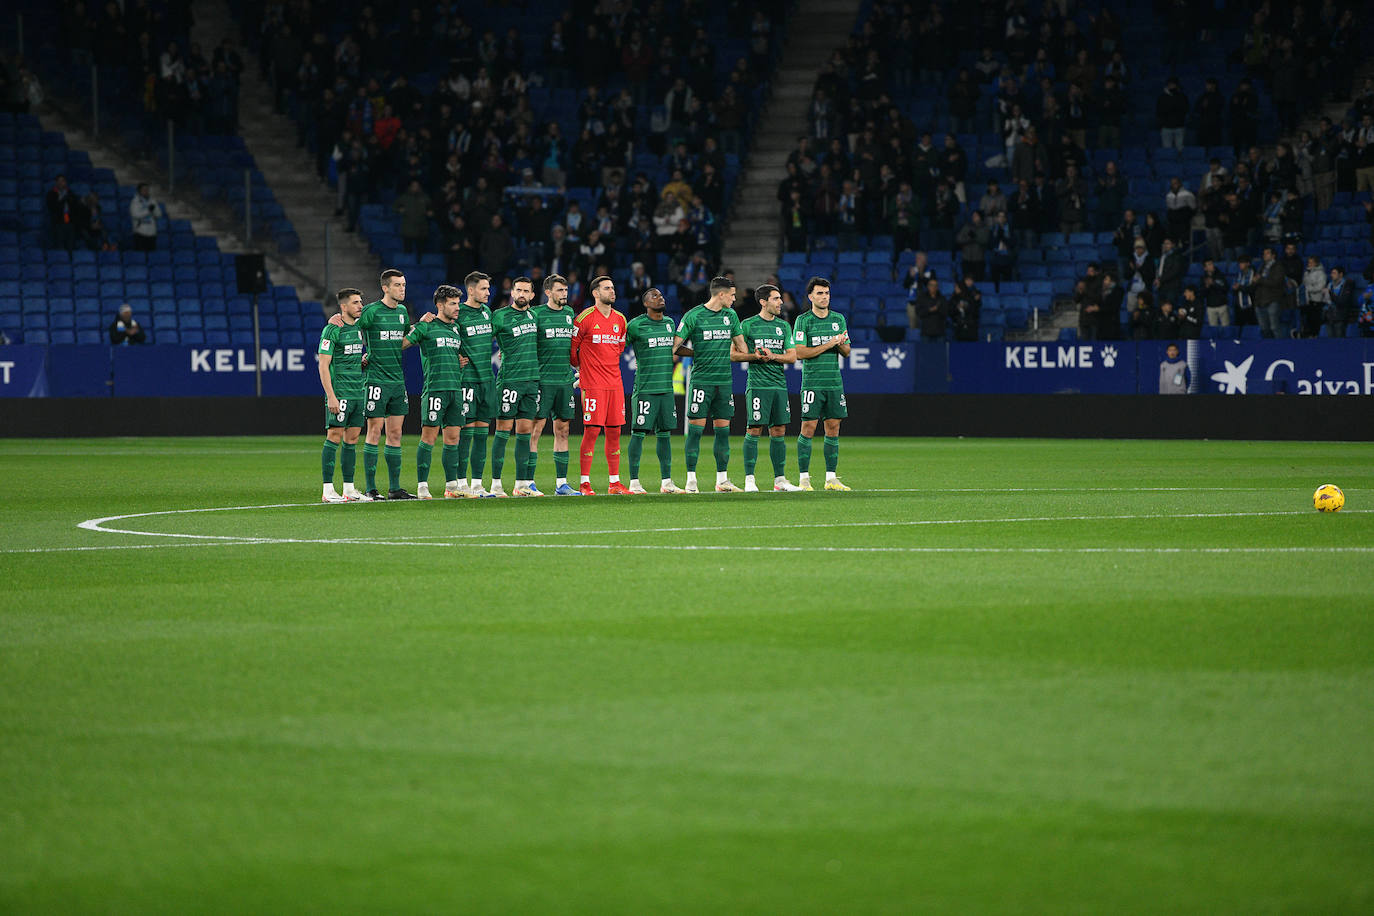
(1328, 498)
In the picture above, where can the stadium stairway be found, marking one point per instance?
(754, 236)
(307, 201)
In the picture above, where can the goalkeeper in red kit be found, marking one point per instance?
(598, 340)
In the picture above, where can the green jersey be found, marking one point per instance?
(385, 328)
(517, 334)
(820, 372)
(768, 334)
(709, 334)
(475, 322)
(439, 343)
(344, 347)
(653, 345)
(555, 344)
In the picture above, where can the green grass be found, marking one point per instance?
(1040, 676)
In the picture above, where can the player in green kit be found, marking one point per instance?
(710, 333)
(653, 408)
(479, 382)
(341, 375)
(441, 403)
(769, 341)
(822, 337)
(517, 335)
(385, 323)
(557, 401)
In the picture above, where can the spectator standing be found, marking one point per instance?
(1315, 298)
(92, 228)
(1180, 205)
(1001, 249)
(1209, 110)
(1169, 273)
(1243, 287)
(932, 312)
(64, 215)
(143, 213)
(1173, 372)
(1089, 310)
(415, 210)
(1340, 303)
(1142, 318)
(1109, 317)
(1171, 112)
(973, 243)
(1189, 312)
(125, 329)
(1213, 295)
(1270, 289)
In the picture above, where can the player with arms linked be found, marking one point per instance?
(710, 334)
(384, 323)
(654, 405)
(598, 340)
(441, 404)
(770, 349)
(517, 335)
(341, 375)
(557, 401)
(822, 337)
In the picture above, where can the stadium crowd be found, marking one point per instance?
(1050, 98)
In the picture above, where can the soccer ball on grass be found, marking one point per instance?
(1328, 498)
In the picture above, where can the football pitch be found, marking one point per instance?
(998, 677)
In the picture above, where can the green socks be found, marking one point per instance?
(464, 446)
(831, 450)
(498, 455)
(664, 445)
(522, 456)
(327, 455)
(560, 465)
(348, 459)
(777, 451)
(392, 453)
(751, 454)
(450, 459)
(804, 454)
(479, 451)
(636, 452)
(693, 446)
(370, 464)
(531, 465)
(721, 447)
(424, 454)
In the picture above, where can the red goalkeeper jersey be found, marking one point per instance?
(598, 340)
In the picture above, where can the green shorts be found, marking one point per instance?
(520, 401)
(767, 407)
(653, 413)
(557, 402)
(443, 408)
(714, 401)
(350, 413)
(386, 400)
(481, 401)
(823, 404)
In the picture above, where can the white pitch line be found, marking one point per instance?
(506, 545)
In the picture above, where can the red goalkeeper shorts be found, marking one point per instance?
(603, 407)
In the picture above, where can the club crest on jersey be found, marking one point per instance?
(834, 325)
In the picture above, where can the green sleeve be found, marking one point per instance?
(736, 324)
(328, 337)
(632, 331)
(685, 329)
(365, 319)
(416, 334)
